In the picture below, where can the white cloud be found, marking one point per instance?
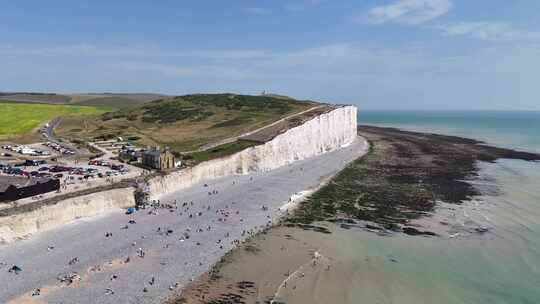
(289, 6)
(490, 31)
(409, 11)
(165, 69)
(89, 50)
(301, 5)
(334, 60)
(185, 70)
(256, 10)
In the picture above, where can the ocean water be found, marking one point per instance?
(501, 266)
(514, 129)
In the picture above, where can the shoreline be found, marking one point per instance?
(207, 285)
(219, 287)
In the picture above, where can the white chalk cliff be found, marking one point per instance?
(63, 212)
(324, 133)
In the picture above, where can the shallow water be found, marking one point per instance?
(356, 266)
(501, 266)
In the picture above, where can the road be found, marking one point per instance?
(49, 135)
(49, 128)
(170, 259)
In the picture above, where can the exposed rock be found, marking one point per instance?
(414, 231)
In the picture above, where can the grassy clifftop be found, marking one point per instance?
(184, 122)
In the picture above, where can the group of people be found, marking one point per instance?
(188, 210)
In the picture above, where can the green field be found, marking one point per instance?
(21, 118)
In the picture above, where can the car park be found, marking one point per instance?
(59, 148)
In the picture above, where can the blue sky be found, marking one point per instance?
(386, 54)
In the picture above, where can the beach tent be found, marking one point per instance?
(130, 210)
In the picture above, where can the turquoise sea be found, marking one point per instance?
(515, 129)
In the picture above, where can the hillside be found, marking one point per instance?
(34, 97)
(113, 100)
(183, 123)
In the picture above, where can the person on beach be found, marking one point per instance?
(141, 253)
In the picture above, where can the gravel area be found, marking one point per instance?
(170, 259)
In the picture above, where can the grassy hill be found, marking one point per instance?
(34, 97)
(112, 100)
(183, 123)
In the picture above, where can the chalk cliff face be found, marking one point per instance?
(47, 217)
(324, 133)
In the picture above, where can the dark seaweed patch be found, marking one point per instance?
(401, 178)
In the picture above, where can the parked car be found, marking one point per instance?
(22, 173)
(14, 171)
(117, 167)
(59, 169)
(30, 162)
